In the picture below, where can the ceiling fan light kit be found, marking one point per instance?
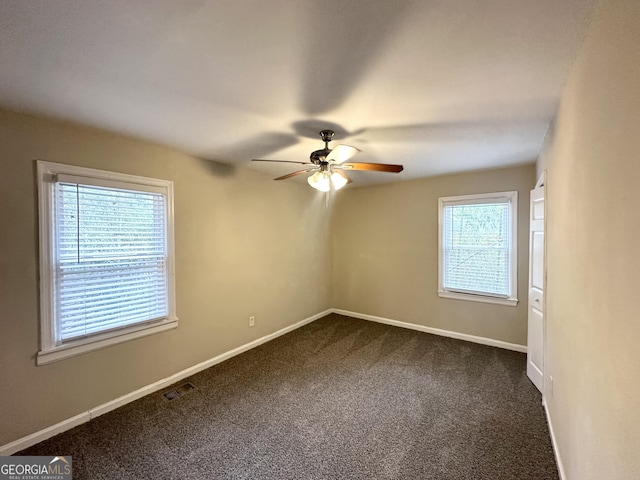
(324, 180)
(328, 165)
(320, 181)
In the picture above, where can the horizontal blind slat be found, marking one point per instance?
(109, 320)
(97, 315)
(99, 296)
(74, 290)
(109, 327)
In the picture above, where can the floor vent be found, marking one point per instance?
(178, 391)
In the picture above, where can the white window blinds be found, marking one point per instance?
(476, 240)
(110, 255)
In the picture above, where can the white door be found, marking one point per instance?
(535, 335)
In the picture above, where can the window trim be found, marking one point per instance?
(50, 351)
(475, 199)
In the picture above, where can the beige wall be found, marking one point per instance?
(541, 162)
(244, 245)
(385, 254)
(593, 246)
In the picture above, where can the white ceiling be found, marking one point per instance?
(438, 85)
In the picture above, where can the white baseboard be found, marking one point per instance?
(436, 331)
(29, 440)
(556, 452)
(24, 442)
(69, 423)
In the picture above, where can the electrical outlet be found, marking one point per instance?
(550, 385)
(252, 321)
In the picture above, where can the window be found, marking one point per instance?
(106, 259)
(478, 247)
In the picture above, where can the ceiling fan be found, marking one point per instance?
(329, 164)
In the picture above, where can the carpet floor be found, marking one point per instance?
(339, 398)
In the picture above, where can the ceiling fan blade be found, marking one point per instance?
(342, 153)
(280, 161)
(375, 167)
(299, 172)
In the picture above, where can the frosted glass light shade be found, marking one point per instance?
(320, 181)
(338, 181)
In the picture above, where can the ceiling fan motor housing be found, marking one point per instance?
(318, 157)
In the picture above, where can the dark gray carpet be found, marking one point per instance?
(337, 399)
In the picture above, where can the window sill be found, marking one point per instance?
(85, 345)
(511, 302)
